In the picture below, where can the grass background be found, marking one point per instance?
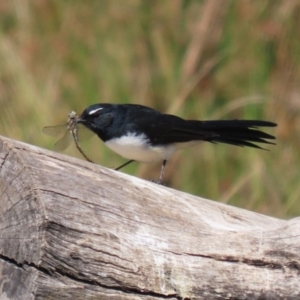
(198, 59)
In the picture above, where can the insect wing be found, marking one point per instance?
(55, 130)
(84, 133)
(64, 142)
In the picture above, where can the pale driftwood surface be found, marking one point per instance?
(75, 230)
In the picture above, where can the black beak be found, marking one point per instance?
(79, 120)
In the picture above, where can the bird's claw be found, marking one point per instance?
(157, 182)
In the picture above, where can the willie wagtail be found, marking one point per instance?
(140, 133)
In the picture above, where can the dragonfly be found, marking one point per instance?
(69, 132)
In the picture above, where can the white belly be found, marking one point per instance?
(136, 148)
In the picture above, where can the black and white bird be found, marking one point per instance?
(140, 133)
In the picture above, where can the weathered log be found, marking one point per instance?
(75, 230)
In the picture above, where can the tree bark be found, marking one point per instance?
(75, 230)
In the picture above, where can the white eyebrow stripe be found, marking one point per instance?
(95, 110)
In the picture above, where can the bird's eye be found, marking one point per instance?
(95, 112)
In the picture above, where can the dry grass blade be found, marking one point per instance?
(190, 84)
(236, 104)
(207, 33)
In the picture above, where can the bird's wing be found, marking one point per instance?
(167, 129)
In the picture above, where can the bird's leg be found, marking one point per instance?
(127, 163)
(161, 176)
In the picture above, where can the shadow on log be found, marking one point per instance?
(75, 230)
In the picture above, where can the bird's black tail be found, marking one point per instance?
(236, 132)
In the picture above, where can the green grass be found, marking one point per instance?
(58, 56)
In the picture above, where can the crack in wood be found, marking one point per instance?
(127, 290)
(4, 160)
(11, 261)
(250, 262)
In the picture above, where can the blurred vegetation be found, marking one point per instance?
(197, 59)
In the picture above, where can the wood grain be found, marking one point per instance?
(75, 230)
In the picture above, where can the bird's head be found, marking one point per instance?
(96, 117)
